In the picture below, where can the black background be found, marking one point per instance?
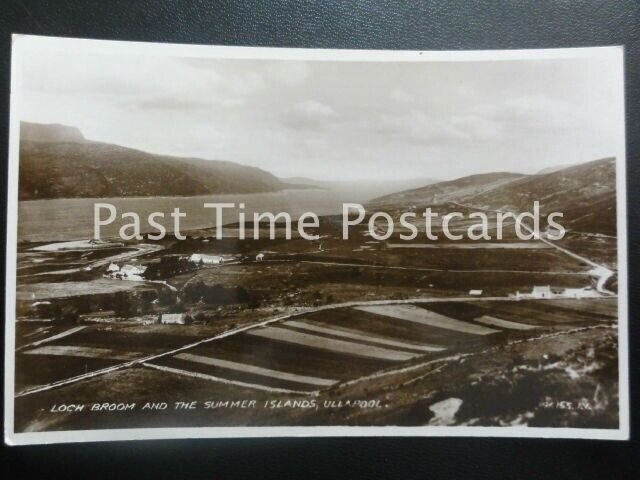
(412, 25)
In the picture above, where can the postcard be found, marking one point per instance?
(208, 241)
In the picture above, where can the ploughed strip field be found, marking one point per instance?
(308, 352)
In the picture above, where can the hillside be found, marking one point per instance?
(66, 165)
(50, 132)
(584, 193)
(451, 190)
(566, 188)
(556, 168)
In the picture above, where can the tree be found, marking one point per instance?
(66, 313)
(123, 305)
(84, 304)
(45, 310)
(254, 303)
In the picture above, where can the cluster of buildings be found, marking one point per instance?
(126, 272)
(547, 291)
(207, 259)
(173, 318)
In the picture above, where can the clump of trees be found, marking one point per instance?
(65, 310)
(127, 304)
(59, 312)
(169, 266)
(124, 305)
(318, 298)
(217, 294)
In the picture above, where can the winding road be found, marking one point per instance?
(598, 271)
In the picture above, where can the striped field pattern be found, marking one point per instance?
(316, 351)
(303, 353)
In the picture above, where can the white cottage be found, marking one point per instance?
(133, 269)
(206, 259)
(126, 272)
(173, 318)
(542, 292)
(537, 293)
(586, 292)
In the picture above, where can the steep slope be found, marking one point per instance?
(585, 194)
(566, 188)
(70, 169)
(50, 132)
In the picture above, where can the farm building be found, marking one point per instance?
(586, 292)
(206, 259)
(126, 272)
(537, 292)
(173, 318)
(542, 292)
(475, 292)
(259, 257)
(555, 292)
(133, 269)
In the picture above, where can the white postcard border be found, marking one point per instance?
(23, 43)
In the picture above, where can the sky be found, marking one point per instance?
(335, 120)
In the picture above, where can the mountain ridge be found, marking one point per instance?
(450, 189)
(50, 132)
(63, 164)
(585, 193)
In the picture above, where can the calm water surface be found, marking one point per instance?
(70, 219)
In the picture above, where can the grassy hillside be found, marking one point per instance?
(451, 190)
(560, 189)
(584, 193)
(92, 169)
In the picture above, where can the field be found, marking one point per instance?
(325, 332)
(323, 355)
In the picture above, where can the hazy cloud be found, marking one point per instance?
(402, 96)
(169, 103)
(335, 119)
(310, 114)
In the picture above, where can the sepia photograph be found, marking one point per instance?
(237, 242)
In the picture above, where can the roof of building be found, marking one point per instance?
(196, 257)
(173, 318)
(133, 269)
(541, 289)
